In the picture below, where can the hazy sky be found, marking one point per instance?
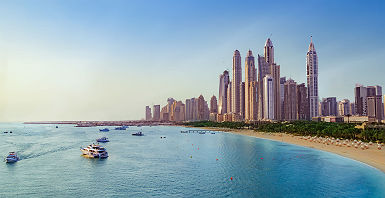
(106, 60)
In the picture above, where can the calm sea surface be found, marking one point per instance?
(181, 165)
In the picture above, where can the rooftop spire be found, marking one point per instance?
(268, 43)
(311, 46)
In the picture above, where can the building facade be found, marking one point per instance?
(290, 100)
(236, 83)
(312, 80)
(250, 78)
(224, 81)
(156, 113)
(302, 102)
(148, 113)
(268, 88)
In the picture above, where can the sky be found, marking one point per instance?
(107, 60)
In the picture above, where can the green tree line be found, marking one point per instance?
(303, 128)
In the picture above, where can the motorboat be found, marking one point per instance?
(94, 151)
(104, 130)
(120, 128)
(12, 157)
(138, 134)
(184, 131)
(202, 132)
(102, 139)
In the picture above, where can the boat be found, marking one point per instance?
(202, 132)
(94, 151)
(120, 128)
(5, 131)
(138, 134)
(104, 130)
(103, 139)
(212, 133)
(12, 157)
(184, 131)
(57, 127)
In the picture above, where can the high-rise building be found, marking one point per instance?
(250, 77)
(224, 81)
(269, 52)
(201, 108)
(374, 108)
(242, 100)
(312, 80)
(263, 70)
(360, 95)
(329, 106)
(344, 107)
(353, 108)
(156, 113)
(290, 101)
(213, 105)
(177, 112)
(302, 102)
(282, 90)
(229, 98)
(253, 101)
(148, 113)
(268, 88)
(275, 74)
(236, 83)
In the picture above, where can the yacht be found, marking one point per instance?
(138, 133)
(104, 130)
(12, 157)
(94, 151)
(103, 139)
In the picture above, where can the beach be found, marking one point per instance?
(371, 156)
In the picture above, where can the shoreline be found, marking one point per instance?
(372, 156)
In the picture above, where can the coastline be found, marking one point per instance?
(372, 156)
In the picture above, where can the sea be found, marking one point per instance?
(167, 163)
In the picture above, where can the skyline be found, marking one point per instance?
(60, 63)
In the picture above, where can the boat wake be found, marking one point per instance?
(36, 155)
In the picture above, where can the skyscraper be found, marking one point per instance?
(229, 98)
(269, 52)
(213, 105)
(236, 83)
(312, 80)
(148, 113)
(344, 107)
(302, 102)
(268, 88)
(282, 90)
(202, 108)
(329, 106)
(374, 108)
(223, 87)
(156, 113)
(242, 100)
(253, 101)
(290, 101)
(275, 74)
(360, 96)
(263, 70)
(250, 77)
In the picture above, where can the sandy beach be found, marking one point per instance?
(371, 156)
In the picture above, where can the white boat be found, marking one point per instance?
(12, 157)
(94, 151)
(103, 139)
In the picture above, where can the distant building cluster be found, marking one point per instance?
(266, 96)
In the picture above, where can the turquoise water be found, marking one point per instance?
(181, 165)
